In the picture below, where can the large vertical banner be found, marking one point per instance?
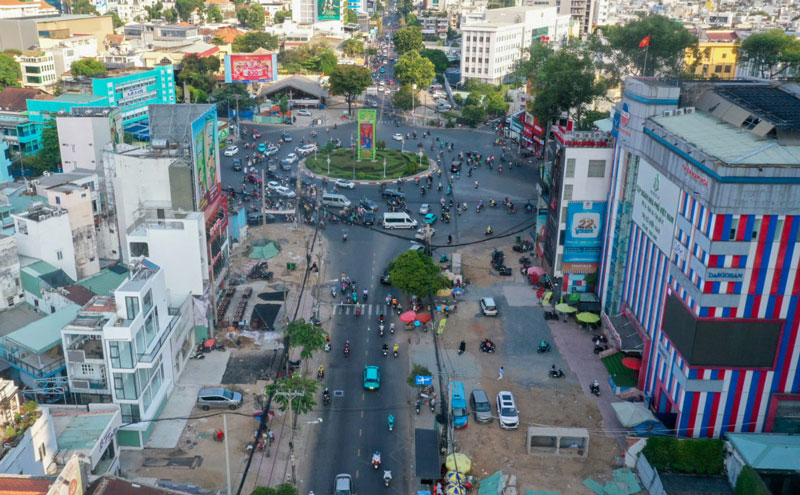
(366, 133)
(204, 142)
(329, 10)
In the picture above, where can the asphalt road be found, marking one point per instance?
(355, 424)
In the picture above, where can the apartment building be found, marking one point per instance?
(492, 45)
(10, 282)
(716, 55)
(38, 69)
(44, 232)
(10, 9)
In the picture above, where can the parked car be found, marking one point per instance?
(507, 413)
(480, 405)
(304, 112)
(231, 150)
(208, 398)
(257, 218)
(385, 279)
(488, 306)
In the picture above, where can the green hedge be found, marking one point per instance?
(397, 164)
(692, 456)
(750, 483)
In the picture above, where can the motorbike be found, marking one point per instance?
(385, 350)
(598, 348)
(394, 351)
(333, 291)
(387, 477)
(358, 311)
(594, 388)
(328, 347)
(320, 374)
(198, 355)
(557, 373)
(433, 404)
(391, 422)
(380, 329)
(376, 460)
(418, 405)
(487, 346)
(346, 351)
(391, 328)
(462, 348)
(344, 237)
(543, 348)
(326, 398)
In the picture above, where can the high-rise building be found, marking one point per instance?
(701, 252)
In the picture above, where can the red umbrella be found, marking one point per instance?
(540, 292)
(408, 316)
(632, 363)
(423, 317)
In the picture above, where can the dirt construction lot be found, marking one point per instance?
(541, 401)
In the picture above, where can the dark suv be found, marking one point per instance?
(393, 194)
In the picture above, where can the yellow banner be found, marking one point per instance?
(442, 323)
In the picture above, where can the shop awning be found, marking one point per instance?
(426, 453)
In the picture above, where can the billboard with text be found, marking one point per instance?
(366, 133)
(329, 10)
(247, 68)
(206, 156)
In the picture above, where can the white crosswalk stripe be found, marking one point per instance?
(349, 309)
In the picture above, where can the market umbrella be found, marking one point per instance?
(587, 317)
(632, 363)
(458, 291)
(408, 316)
(456, 489)
(537, 270)
(444, 292)
(458, 462)
(423, 317)
(565, 308)
(455, 478)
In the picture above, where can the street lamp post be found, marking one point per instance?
(420, 158)
(329, 164)
(384, 167)
(413, 113)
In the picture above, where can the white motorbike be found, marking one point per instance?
(387, 477)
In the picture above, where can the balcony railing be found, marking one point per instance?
(151, 356)
(37, 370)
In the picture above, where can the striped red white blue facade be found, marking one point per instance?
(768, 289)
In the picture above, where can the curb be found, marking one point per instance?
(301, 167)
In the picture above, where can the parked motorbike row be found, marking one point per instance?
(498, 264)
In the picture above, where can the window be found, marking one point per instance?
(150, 328)
(147, 301)
(58, 200)
(125, 386)
(570, 171)
(717, 69)
(734, 227)
(728, 69)
(750, 122)
(130, 413)
(42, 451)
(567, 192)
(59, 255)
(597, 168)
(121, 354)
(132, 306)
(756, 228)
(87, 369)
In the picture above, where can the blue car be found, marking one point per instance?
(430, 219)
(262, 147)
(372, 377)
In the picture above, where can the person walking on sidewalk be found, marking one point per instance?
(500, 373)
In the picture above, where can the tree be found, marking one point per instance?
(407, 39)
(252, 17)
(225, 97)
(352, 46)
(283, 104)
(437, 58)
(327, 62)
(250, 42)
(282, 15)
(171, 15)
(282, 489)
(411, 68)
(665, 53)
(350, 16)
(84, 7)
(198, 72)
(303, 391)
(115, 20)
(303, 334)
(411, 20)
(473, 114)
(87, 67)
(10, 72)
(414, 273)
(349, 81)
(154, 11)
(771, 53)
(48, 158)
(496, 104)
(214, 15)
(403, 98)
(186, 7)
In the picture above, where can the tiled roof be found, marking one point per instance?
(111, 485)
(721, 35)
(227, 34)
(16, 98)
(13, 485)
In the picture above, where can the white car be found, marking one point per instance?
(488, 306)
(304, 113)
(273, 185)
(306, 150)
(272, 150)
(291, 158)
(424, 209)
(507, 412)
(398, 137)
(420, 235)
(347, 184)
(231, 150)
(285, 192)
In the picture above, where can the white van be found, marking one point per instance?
(335, 200)
(399, 220)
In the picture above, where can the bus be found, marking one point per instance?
(458, 405)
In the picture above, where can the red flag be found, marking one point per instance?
(645, 42)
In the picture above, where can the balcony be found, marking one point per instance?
(36, 365)
(90, 386)
(85, 348)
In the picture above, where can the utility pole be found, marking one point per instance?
(263, 201)
(291, 395)
(238, 123)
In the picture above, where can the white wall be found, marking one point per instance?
(10, 283)
(49, 240)
(25, 458)
(81, 141)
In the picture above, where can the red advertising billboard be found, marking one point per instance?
(251, 67)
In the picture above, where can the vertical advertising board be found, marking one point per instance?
(655, 206)
(583, 240)
(329, 10)
(206, 156)
(249, 68)
(366, 133)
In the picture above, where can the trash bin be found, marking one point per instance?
(290, 266)
(518, 239)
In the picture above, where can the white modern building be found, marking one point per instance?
(44, 232)
(38, 69)
(492, 45)
(70, 49)
(11, 291)
(12, 9)
(305, 11)
(129, 349)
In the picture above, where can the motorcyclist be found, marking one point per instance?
(376, 457)
(325, 393)
(488, 231)
(543, 344)
(387, 477)
(321, 371)
(395, 348)
(366, 293)
(344, 237)
(385, 349)
(391, 420)
(391, 327)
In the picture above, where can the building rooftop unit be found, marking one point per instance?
(173, 123)
(91, 111)
(728, 144)
(780, 105)
(48, 181)
(40, 213)
(80, 430)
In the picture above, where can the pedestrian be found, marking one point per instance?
(271, 437)
(449, 239)
(500, 373)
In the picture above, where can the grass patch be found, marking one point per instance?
(623, 376)
(397, 165)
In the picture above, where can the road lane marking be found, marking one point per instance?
(360, 432)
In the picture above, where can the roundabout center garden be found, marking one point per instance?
(343, 163)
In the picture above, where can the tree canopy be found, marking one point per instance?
(303, 391)
(473, 114)
(771, 53)
(225, 97)
(663, 57)
(48, 158)
(186, 7)
(10, 72)
(407, 39)
(349, 81)
(198, 72)
(85, 7)
(154, 11)
(411, 68)
(350, 16)
(282, 489)
(303, 334)
(402, 99)
(311, 57)
(352, 46)
(282, 15)
(87, 67)
(437, 58)
(251, 16)
(252, 41)
(414, 273)
(213, 14)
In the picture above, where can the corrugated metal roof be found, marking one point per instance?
(44, 334)
(727, 143)
(106, 281)
(768, 451)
